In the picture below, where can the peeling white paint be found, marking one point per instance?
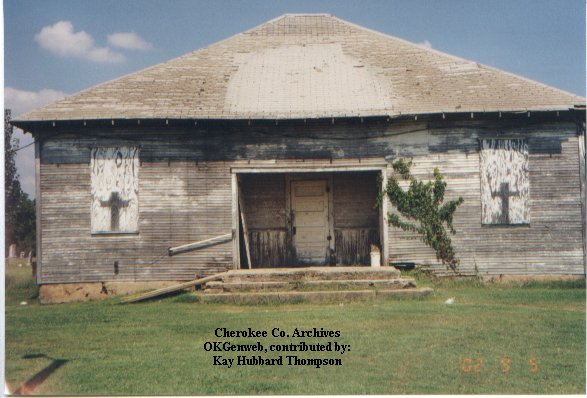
(115, 174)
(504, 164)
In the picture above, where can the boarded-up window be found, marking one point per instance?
(504, 181)
(115, 187)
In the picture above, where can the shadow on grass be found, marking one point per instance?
(29, 386)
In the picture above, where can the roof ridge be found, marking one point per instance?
(306, 14)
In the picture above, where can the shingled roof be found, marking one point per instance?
(307, 66)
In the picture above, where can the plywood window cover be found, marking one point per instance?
(124, 186)
(511, 173)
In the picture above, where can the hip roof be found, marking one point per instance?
(307, 66)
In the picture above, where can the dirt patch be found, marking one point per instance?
(68, 292)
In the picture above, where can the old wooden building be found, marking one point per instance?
(271, 146)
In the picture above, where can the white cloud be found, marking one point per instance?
(129, 40)
(426, 44)
(61, 39)
(21, 101)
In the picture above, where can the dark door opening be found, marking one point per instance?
(309, 219)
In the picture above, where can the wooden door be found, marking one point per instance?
(309, 205)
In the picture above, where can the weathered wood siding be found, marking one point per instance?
(270, 248)
(185, 194)
(179, 202)
(583, 158)
(353, 245)
(550, 243)
(356, 217)
(265, 211)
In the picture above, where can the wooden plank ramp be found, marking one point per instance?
(174, 288)
(172, 251)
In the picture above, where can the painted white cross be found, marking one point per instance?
(115, 204)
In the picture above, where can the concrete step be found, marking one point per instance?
(337, 284)
(310, 273)
(331, 295)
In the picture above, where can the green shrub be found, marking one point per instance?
(422, 202)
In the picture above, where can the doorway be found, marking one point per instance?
(307, 218)
(310, 225)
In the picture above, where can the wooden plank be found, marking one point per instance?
(201, 244)
(38, 209)
(236, 258)
(241, 203)
(330, 238)
(308, 167)
(383, 218)
(174, 288)
(582, 176)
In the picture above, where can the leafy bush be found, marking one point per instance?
(422, 202)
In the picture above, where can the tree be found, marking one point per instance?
(19, 209)
(422, 203)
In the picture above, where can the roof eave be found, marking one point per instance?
(30, 125)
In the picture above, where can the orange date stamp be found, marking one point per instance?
(476, 365)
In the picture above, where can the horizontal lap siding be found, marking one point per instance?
(355, 199)
(179, 203)
(185, 196)
(264, 201)
(551, 243)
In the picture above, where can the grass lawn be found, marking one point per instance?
(506, 339)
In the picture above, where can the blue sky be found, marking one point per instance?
(58, 47)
